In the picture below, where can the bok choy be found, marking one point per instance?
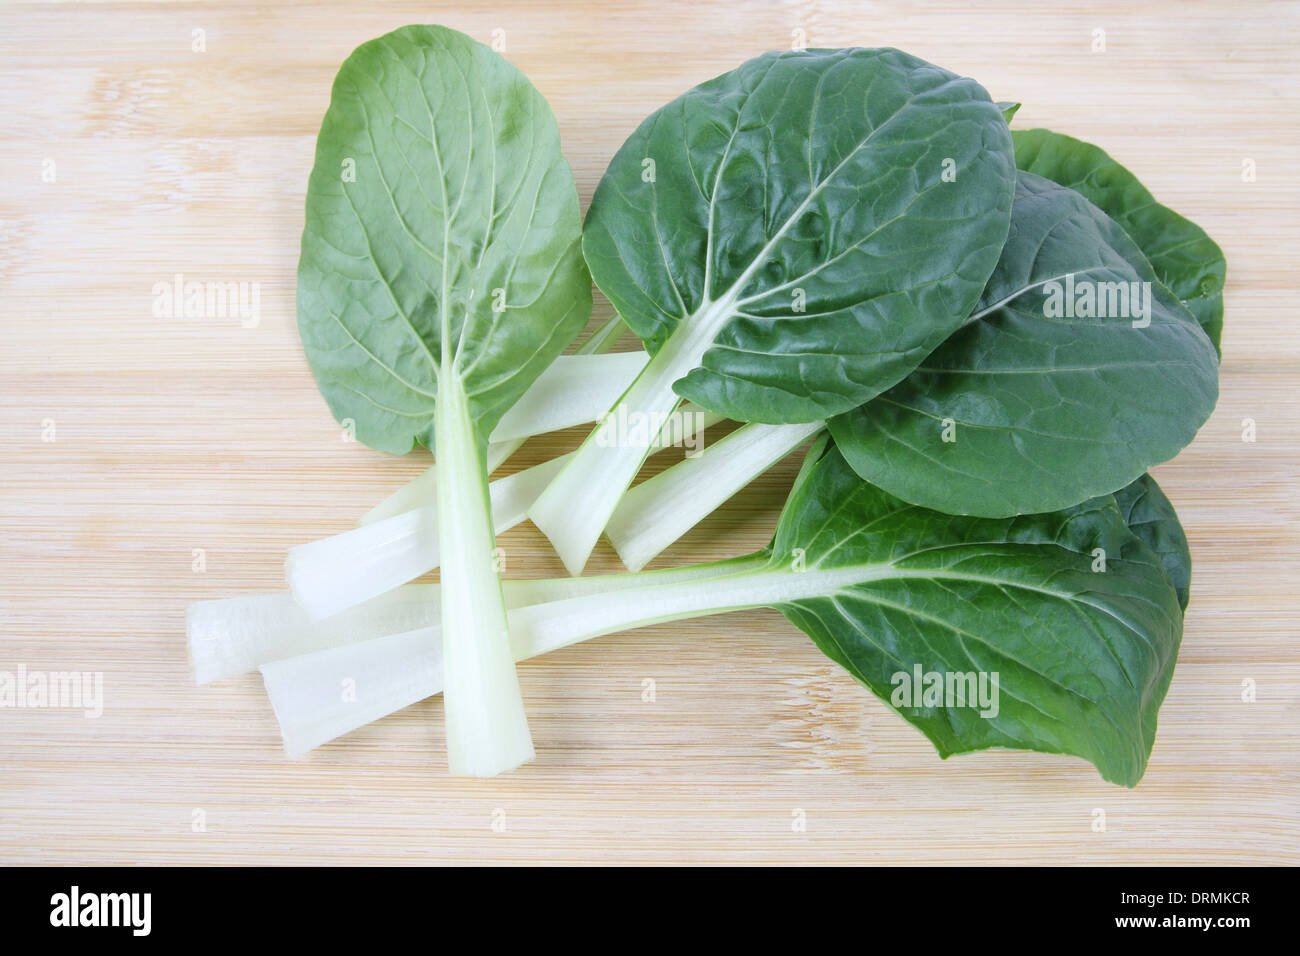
(987, 337)
(440, 275)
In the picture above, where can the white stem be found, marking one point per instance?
(604, 338)
(422, 490)
(335, 573)
(574, 390)
(317, 697)
(320, 696)
(338, 572)
(549, 590)
(540, 628)
(597, 388)
(233, 636)
(487, 732)
(576, 506)
(498, 453)
(657, 512)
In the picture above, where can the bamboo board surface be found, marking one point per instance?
(173, 436)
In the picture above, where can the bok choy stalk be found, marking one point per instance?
(440, 274)
(1058, 396)
(232, 636)
(574, 390)
(789, 240)
(397, 669)
(331, 574)
(884, 589)
(658, 511)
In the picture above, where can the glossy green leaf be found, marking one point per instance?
(820, 220)
(441, 218)
(1026, 409)
(1151, 516)
(1184, 258)
(1072, 611)
(1083, 656)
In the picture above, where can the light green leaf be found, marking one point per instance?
(442, 227)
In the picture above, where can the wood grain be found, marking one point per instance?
(174, 435)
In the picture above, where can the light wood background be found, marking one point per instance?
(175, 435)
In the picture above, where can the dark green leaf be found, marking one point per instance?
(823, 218)
(1083, 655)
(1182, 255)
(1024, 410)
(1151, 516)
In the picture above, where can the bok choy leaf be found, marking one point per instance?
(1184, 258)
(1040, 400)
(789, 240)
(440, 275)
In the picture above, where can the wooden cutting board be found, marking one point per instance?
(149, 462)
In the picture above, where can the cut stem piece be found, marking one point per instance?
(383, 675)
(574, 390)
(613, 453)
(487, 732)
(657, 512)
(233, 636)
(335, 573)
